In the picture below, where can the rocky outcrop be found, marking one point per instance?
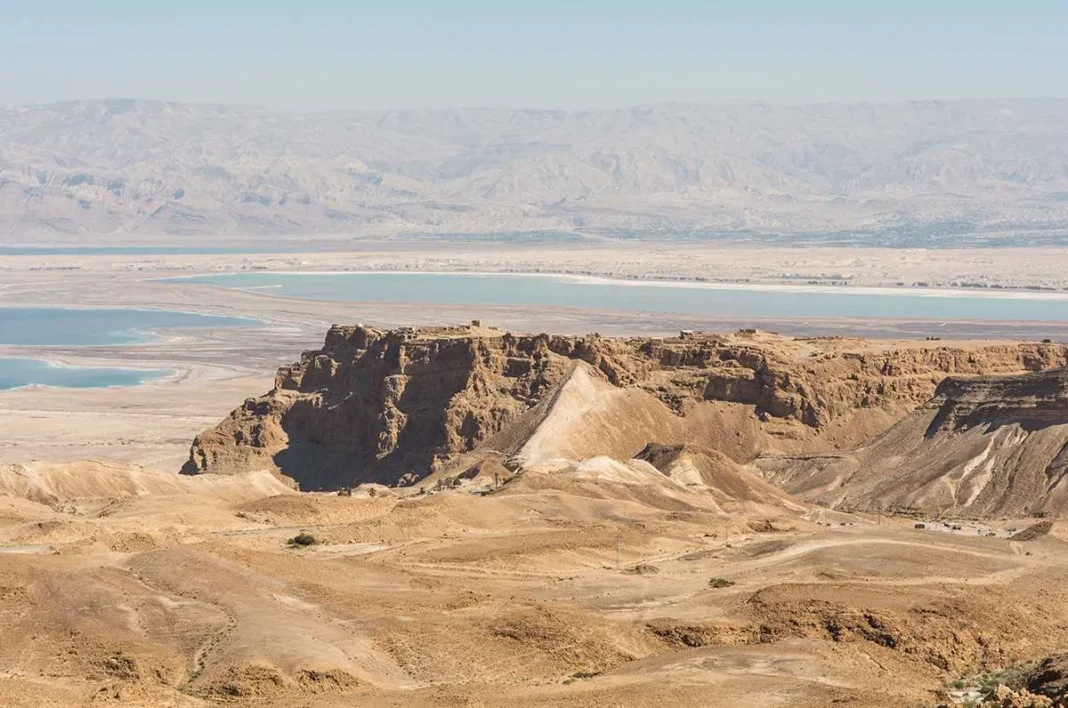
(983, 446)
(1050, 678)
(1032, 401)
(394, 406)
(381, 405)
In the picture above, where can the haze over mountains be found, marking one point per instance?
(918, 171)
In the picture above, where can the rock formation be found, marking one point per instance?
(396, 406)
(991, 445)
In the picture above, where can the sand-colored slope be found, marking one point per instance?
(605, 478)
(53, 482)
(588, 417)
(585, 416)
(581, 585)
(733, 486)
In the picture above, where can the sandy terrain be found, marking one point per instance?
(567, 594)
(148, 424)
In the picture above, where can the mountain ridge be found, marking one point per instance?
(159, 168)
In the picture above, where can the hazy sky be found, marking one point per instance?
(323, 54)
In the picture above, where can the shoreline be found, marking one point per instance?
(245, 320)
(993, 294)
(155, 376)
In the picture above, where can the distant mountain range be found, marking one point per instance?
(923, 170)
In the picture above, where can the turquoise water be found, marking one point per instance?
(15, 373)
(57, 326)
(541, 291)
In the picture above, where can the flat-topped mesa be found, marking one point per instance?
(395, 405)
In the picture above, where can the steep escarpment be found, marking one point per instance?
(395, 406)
(991, 445)
(1033, 401)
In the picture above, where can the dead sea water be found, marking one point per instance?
(648, 296)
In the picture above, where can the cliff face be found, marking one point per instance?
(1032, 401)
(394, 406)
(381, 405)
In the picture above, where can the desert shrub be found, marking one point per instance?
(981, 689)
(642, 569)
(303, 539)
(720, 583)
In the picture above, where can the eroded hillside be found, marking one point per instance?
(983, 446)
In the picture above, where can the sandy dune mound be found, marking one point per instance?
(708, 470)
(988, 446)
(605, 478)
(315, 509)
(585, 416)
(636, 488)
(52, 483)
